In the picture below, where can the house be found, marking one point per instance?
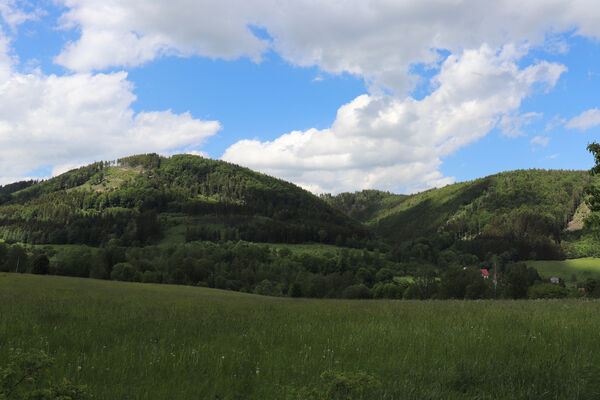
(554, 279)
(485, 273)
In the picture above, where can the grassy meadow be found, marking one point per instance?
(143, 341)
(572, 271)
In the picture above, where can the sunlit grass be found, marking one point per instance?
(580, 268)
(140, 341)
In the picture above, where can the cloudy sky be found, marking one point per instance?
(342, 95)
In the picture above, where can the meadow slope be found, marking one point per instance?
(143, 341)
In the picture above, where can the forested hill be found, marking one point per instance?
(139, 199)
(145, 199)
(191, 220)
(525, 209)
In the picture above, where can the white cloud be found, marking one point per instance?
(377, 140)
(512, 125)
(377, 40)
(539, 141)
(389, 143)
(556, 121)
(66, 121)
(129, 33)
(198, 153)
(13, 15)
(586, 120)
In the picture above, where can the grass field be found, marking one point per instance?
(579, 268)
(312, 248)
(140, 341)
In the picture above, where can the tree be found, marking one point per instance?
(359, 291)
(16, 259)
(40, 264)
(518, 277)
(593, 192)
(125, 272)
(460, 283)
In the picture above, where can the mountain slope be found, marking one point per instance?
(136, 199)
(524, 209)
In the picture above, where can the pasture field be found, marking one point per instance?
(572, 271)
(143, 341)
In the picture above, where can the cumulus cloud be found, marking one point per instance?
(129, 33)
(377, 40)
(65, 121)
(384, 139)
(13, 15)
(390, 143)
(586, 120)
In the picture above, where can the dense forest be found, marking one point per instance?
(525, 210)
(134, 198)
(191, 220)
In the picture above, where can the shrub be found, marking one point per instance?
(357, 292)
(388, 291)
(340, 386)
(268, 288)
(40, 265)
(125, 272)
(21, 378)
(295, 290)
(547, 291)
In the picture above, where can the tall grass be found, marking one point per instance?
(140, 341)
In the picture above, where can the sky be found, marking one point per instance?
(333, 96)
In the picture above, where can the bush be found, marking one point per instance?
(384, 274)
(295, 290)
(412, 293)
(40, 265)
(72, 262)
(21, 378)
(267, 288)
(547, 291)
(388, 291)
(125, 272)
(153, 277)
(340, 386)
(357, 292)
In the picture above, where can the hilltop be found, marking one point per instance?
(140, 199)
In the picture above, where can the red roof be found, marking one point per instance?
(485, 272)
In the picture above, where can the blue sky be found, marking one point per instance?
(369, 95)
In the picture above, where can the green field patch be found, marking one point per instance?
(113, 177)
(572, 271)
(144, 341)
(309, 248)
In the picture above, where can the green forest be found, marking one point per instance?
(194, 221)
